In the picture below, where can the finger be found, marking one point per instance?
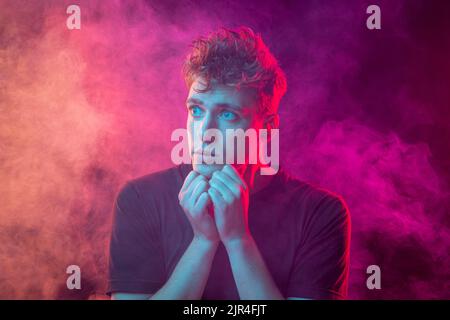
(187, 182)
(216, 197)
(228, 182)
(186, 194)
(234, 174)
(222, 188)
(193, 185)
(201, 187)
(203, 201)
(190, 177)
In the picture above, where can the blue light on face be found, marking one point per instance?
(226, 115)
(229, 116)
(196, 111)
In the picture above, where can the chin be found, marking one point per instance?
(207, 169)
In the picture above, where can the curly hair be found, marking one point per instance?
(239, 58)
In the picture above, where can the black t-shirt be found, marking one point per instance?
(302, 232)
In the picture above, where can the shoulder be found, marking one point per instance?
(165, 181)
(140, 199)
(320, 215)
(314, 199)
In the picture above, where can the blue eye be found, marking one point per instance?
(196, 111)
(229, 116)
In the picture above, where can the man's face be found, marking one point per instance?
(222, 107)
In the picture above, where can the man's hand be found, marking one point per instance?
(230, 196)
(194, 200)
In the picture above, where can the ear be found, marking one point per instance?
(271, 121)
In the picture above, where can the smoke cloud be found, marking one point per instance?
(82, 111)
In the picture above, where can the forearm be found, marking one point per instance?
(189, 277)
(253, 279)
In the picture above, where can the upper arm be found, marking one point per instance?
(136, 261)
(130, 296)
(321, 262)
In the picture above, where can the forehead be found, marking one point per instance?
(220, 94)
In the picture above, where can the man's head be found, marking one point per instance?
(234, 82)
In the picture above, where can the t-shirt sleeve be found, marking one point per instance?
(136, 263)
(321, 263)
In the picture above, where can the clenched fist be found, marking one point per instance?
(197, 205)
(230, 197)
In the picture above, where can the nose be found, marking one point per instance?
(208, 122)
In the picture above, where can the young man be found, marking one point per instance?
(221, 231)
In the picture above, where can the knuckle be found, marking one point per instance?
(227, 200)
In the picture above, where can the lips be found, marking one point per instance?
(205, 158)
(205, 154)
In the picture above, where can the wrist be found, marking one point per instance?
(240, 243)
(205, 242)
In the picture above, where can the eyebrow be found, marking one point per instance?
(222, 105)
(193, 100)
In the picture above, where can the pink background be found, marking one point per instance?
(366, 115)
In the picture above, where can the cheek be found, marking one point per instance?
(189, 127)
(193, 131)
(190, 131)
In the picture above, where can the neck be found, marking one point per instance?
(255, 181)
